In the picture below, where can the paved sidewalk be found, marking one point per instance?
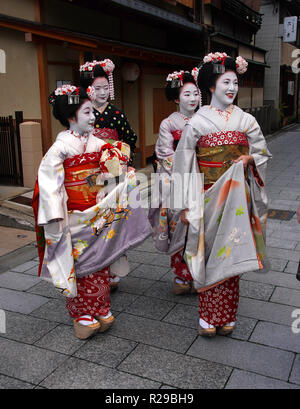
(154, 342)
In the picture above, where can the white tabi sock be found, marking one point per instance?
(86, 322)
(205, 324)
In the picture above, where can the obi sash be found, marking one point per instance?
(80, 175)
(176, 136)
(215, 153)
(106, 134)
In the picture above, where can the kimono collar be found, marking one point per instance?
(224, 114)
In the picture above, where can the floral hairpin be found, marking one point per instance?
(68, 90)
(91, 92)
(176, 79)
(241, 63)
(108, 66)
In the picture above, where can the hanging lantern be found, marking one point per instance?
(130, 72)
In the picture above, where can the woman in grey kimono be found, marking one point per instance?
(227, 223)
(181, 88)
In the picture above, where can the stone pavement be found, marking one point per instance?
(154, 342)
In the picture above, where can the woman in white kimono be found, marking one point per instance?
(181, 88)
(111, 124)
(82, 224)
(227, 147)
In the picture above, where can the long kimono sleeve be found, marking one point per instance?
(125, 132)
(258, 147)
(164, 147)
(259, 151)
(187, 189)
(52, 194)
(185, 167)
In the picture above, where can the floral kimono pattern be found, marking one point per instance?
(226, 235)
(96, 223)
(161, 216)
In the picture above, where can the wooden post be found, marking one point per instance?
(44, 94)
(43, 81)
(142, 127)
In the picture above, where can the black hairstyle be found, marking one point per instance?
(208, 76)
(172, 93)
(87, 77)
(62, 109)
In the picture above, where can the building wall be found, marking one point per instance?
(19, 85)
(268, 38)
(18, 8)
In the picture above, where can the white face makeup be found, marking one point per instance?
(84, 121)
(101, 91)
(188, 99)
(226, 89)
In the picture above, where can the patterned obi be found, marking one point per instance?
(80, 175)
(106, 134)
(216, 151)
(176, 136)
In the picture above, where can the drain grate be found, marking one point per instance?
(280, 214)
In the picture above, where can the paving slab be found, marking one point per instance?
(247, 380)
(295, 375)
(105, 349)
(134, 285)
(278, 264)
(150, 307)
(61, 339)
(54, 310)
(120, 300)
(266, 311)
(155, 333)
(79, 374)
(17, 281)
(244, 355)
(24, 328)
(283, 253)
(286, 296)
(21, 268)
(164, 291)
(27, 362)
(275, 278)
(148, 258)
(46, 289)
(19, 301)
(278, 336)
(175, 369)
(149, 272)
(255, 290)
(7, 382)
(291, 267)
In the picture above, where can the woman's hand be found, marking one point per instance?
(246, 159)
(183, 217)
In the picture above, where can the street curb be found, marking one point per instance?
(16, 257)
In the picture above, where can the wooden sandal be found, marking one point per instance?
(85, 331)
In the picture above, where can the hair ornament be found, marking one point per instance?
(91, 92)
(70, 90)
(87, 71)
(176, 79)
(241, 65)
(195, 73)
